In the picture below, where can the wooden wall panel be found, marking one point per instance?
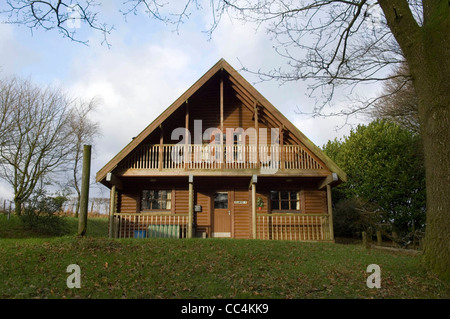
(315, 201)
(181, 201)
(202, 219)
(128, 202)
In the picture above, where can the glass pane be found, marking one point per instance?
(144, 200)
(285, 205)
(284, 195)
(275, 204)
(294, 205)
(274, 195)
(293, 195)
(221, 200)
(155, 204)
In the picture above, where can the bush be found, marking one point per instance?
(39, 215)
(353, 216)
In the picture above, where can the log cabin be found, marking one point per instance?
(221, 161)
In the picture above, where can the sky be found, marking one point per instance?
(147, 67)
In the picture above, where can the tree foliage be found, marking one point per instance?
(385, 171)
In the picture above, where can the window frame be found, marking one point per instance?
(168, 201)
(298, 201)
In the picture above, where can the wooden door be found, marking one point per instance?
(221, 214)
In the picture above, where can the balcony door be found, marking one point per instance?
(221, 215)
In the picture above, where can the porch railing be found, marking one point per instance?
(150, 225)
(304, 227)
(191, 156)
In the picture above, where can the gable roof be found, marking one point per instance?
(250, 91)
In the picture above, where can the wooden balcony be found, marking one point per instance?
(176, 158)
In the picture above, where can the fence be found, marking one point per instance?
(305, 227)
(150, 225)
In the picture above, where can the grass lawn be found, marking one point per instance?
(205, 268)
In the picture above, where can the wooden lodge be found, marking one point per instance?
(221, 161)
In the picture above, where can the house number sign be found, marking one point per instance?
(242, 202)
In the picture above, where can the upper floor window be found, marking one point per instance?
(156, 199)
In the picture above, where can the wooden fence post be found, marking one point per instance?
(365, 240)
(379, 238)
(84, 201)
(112, 210)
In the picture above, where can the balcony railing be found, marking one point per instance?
(190, 156)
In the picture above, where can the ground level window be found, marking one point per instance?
(156, 199)
(285, 200)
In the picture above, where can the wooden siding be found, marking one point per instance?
(128, 202)
(202, 219)
(315, 201)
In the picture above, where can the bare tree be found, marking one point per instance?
(64, 16)
(398, 102)
(84, 131)
(7, 94)
(36, 145)
(343, 43)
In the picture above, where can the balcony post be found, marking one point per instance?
(282, 166)
(257, 135)
(161, 146)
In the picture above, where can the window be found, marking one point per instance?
(221, 200)
(154, 199)
(285, 200)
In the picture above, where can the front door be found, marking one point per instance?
(221, 215)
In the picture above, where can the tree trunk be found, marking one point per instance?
(426, 49)
(435, 124)
(17, 207)
(432, 82)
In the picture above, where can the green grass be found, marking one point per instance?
(206, 268)
(13, 228)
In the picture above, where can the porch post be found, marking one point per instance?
(330, 212)
(254, 180)
(112, 210)
(191, 206)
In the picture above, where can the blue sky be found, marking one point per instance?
(146, 68)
